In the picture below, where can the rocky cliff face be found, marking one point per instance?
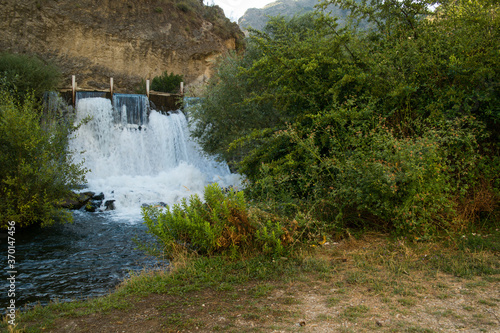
(128, 40)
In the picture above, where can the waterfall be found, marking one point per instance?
(135, 159)
(132, 109)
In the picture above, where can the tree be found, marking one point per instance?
(27, 74)
(36, 171)
(394, 124)
(280, 76)
(224, 114)
(36, 167)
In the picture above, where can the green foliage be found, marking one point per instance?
(25, 74)
(183, 6)
(359, 172)
(36, 169)
(394, 126)
(222, 115)
(167, 83)
(475, 242)
(239, 102)
(222, 222)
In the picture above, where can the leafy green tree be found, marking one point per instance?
(266, 87)
(27, 74)
(36, 168)
(427, 63)
(392, 125)
(224, 114)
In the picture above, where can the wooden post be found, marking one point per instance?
(73, 87)
(111, 88)
(182, 88)
(147, 88)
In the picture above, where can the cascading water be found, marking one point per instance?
(137, 161)
(131, 162)
(130, 109)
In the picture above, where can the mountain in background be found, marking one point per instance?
(257, 18)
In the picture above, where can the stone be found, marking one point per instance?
(77, 200)
(99, 196)
(110, 205)
(93, 205)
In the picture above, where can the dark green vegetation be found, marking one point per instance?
(167, 83)
(222, 222)
(391, 128)
(36, 168)
(24, 75)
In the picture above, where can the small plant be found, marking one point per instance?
(332, 301)
(219, 223)
(182, 6)
(159, 10)
(262, 290)
(407, 301)
(353, 312)
(167, 83)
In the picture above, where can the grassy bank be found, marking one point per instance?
(361, 284)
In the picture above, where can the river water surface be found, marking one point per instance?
(87, 258)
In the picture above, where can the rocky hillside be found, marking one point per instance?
(257, 18)
(128, 40)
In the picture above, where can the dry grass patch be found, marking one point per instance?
(370, 284)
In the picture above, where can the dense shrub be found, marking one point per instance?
(24, 74)
(183, 7)
(394, 126)
(167, 83)
(36, 168)
(222, 222)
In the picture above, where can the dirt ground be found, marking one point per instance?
(353, 291)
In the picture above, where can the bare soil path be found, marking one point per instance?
(352, 286)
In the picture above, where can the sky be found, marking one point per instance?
(234, 9)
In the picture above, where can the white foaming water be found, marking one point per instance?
(136, 165)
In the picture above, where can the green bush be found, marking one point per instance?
(348, 168)
(167, 83)
(393, 127)
(221, 223)
(26, 74)
(36, 168)
(222, 116)
(401, 182)
(186, 8)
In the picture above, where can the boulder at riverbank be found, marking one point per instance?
(76, 201)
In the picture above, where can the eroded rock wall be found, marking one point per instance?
(127, 40)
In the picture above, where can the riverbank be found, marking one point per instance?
(371, 283)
